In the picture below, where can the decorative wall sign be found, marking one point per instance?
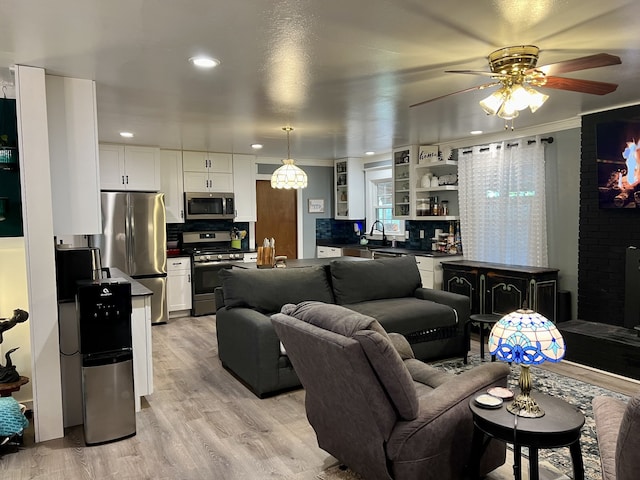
(316, 205)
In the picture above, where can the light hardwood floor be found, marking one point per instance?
(201, 423)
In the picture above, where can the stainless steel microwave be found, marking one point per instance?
(209, 205)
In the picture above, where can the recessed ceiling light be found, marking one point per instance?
(369, 153)
(204, 62)
(256, 146)
(126, 134)
(476, 132)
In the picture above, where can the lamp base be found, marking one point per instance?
(525, 406)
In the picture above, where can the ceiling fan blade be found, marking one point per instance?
(581, 63)
(479, 87)
(577, 85)
(475, 72)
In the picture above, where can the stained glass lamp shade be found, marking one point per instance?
(289, 175)
(527, 338)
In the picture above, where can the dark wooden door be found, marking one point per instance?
(277, 218)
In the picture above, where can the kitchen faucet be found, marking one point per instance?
(384, 237)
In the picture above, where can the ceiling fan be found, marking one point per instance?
(514, 70)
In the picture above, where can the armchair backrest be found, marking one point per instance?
(628, 444)
(357, 387)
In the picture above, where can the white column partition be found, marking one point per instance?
(35, 178)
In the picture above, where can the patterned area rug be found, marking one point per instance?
(575, 392)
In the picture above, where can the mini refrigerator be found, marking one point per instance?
(104, 326)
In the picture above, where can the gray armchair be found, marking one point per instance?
(618, 431)
(375, 407)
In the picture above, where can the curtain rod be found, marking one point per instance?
(509, 145)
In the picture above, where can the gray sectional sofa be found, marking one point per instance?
(389, 290)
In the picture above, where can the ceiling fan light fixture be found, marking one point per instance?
(518, 98)
(492, 104)
(536, 99)
(289, 175)
(507, 111)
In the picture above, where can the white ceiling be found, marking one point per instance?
(341, 72)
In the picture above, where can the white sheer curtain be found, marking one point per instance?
(502, 203)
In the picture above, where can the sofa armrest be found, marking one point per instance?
(436, 403)
(219, 299)
(249, 347)
(461, 303)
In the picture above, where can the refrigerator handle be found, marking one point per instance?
(129, 228)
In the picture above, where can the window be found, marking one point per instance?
(502, 204)
(379, 203)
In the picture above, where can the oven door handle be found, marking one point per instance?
(221, 264)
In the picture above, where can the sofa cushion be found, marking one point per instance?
(268, 290)
(408, 315)
(355, 282)
(376, 344)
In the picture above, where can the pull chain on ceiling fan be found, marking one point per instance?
(514, 70)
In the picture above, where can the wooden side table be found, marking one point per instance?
(6, 389)
(559, 427)
(484, 319)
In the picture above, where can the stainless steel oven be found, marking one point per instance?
(210, 253)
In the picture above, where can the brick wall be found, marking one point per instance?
(604, 234)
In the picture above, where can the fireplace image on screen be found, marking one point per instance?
(618, 157)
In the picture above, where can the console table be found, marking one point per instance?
(496, 288)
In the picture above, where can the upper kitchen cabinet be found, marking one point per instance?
(435, 184)
(349, 193)
(207, 172)
(129, 167)
(73, 152)
(244, 187)
(171, 184)
(403, 160)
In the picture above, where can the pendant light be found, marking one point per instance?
(288, 175)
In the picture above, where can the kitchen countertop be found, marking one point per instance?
(137, 289)
(302, 262)
(396, 250)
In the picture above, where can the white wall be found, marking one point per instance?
(13, 294)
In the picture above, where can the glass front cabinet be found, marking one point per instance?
(403, 196)
(349, 189)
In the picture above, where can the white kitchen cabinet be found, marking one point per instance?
(328, 252)
(430, 269)
(171, 185)
(349, 189)
(207, 171)
(129, 167)
(142, 347)
(244, 187)
(403, 159)
(73, 154)
(179, 286)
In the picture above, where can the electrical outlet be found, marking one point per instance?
(421, 233)
(406, 235)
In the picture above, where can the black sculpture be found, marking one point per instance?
(8, 373)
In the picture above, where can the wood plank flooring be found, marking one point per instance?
(201, 423)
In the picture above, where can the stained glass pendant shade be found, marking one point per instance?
(289, 175)
(527, 338)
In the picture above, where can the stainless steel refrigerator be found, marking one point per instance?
(134, 241)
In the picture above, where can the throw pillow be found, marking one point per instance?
(12, 420)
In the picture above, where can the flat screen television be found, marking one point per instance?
(618, 158)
